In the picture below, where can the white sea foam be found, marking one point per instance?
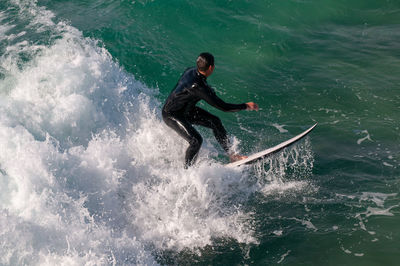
(378, 211)
(379, 207)
(345, 250)
(280, 128)
(367, 137)
(86, 169)
(272, 171)
(87, 175)
(284, 256)
(376, 197)
(388, 164)
(4, 26)
(307, 223)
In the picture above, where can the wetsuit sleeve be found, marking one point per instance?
(208, 94)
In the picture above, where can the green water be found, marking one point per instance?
(332, 62)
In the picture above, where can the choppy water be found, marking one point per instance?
(89, 174)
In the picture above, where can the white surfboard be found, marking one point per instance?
(262, 154)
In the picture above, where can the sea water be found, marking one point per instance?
(90, 174)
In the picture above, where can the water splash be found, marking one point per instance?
(286, 170)
(86, 169)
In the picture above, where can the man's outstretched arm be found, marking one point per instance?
(212, 99)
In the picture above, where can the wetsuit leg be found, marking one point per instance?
(203, 118)
(188, 132)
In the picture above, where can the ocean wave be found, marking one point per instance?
(87, 169)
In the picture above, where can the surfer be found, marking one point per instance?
(180, 111)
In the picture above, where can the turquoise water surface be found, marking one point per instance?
(89, 173)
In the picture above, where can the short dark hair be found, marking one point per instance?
(204, 61)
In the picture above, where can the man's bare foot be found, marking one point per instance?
(236, 157)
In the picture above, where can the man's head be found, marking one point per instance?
(205, 64)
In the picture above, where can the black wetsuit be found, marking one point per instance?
(180, 112)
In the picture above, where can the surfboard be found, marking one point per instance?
(262, 154)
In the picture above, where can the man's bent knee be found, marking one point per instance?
(196, 142)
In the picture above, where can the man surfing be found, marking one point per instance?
(180, 111)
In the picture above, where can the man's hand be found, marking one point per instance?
(252, 106)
